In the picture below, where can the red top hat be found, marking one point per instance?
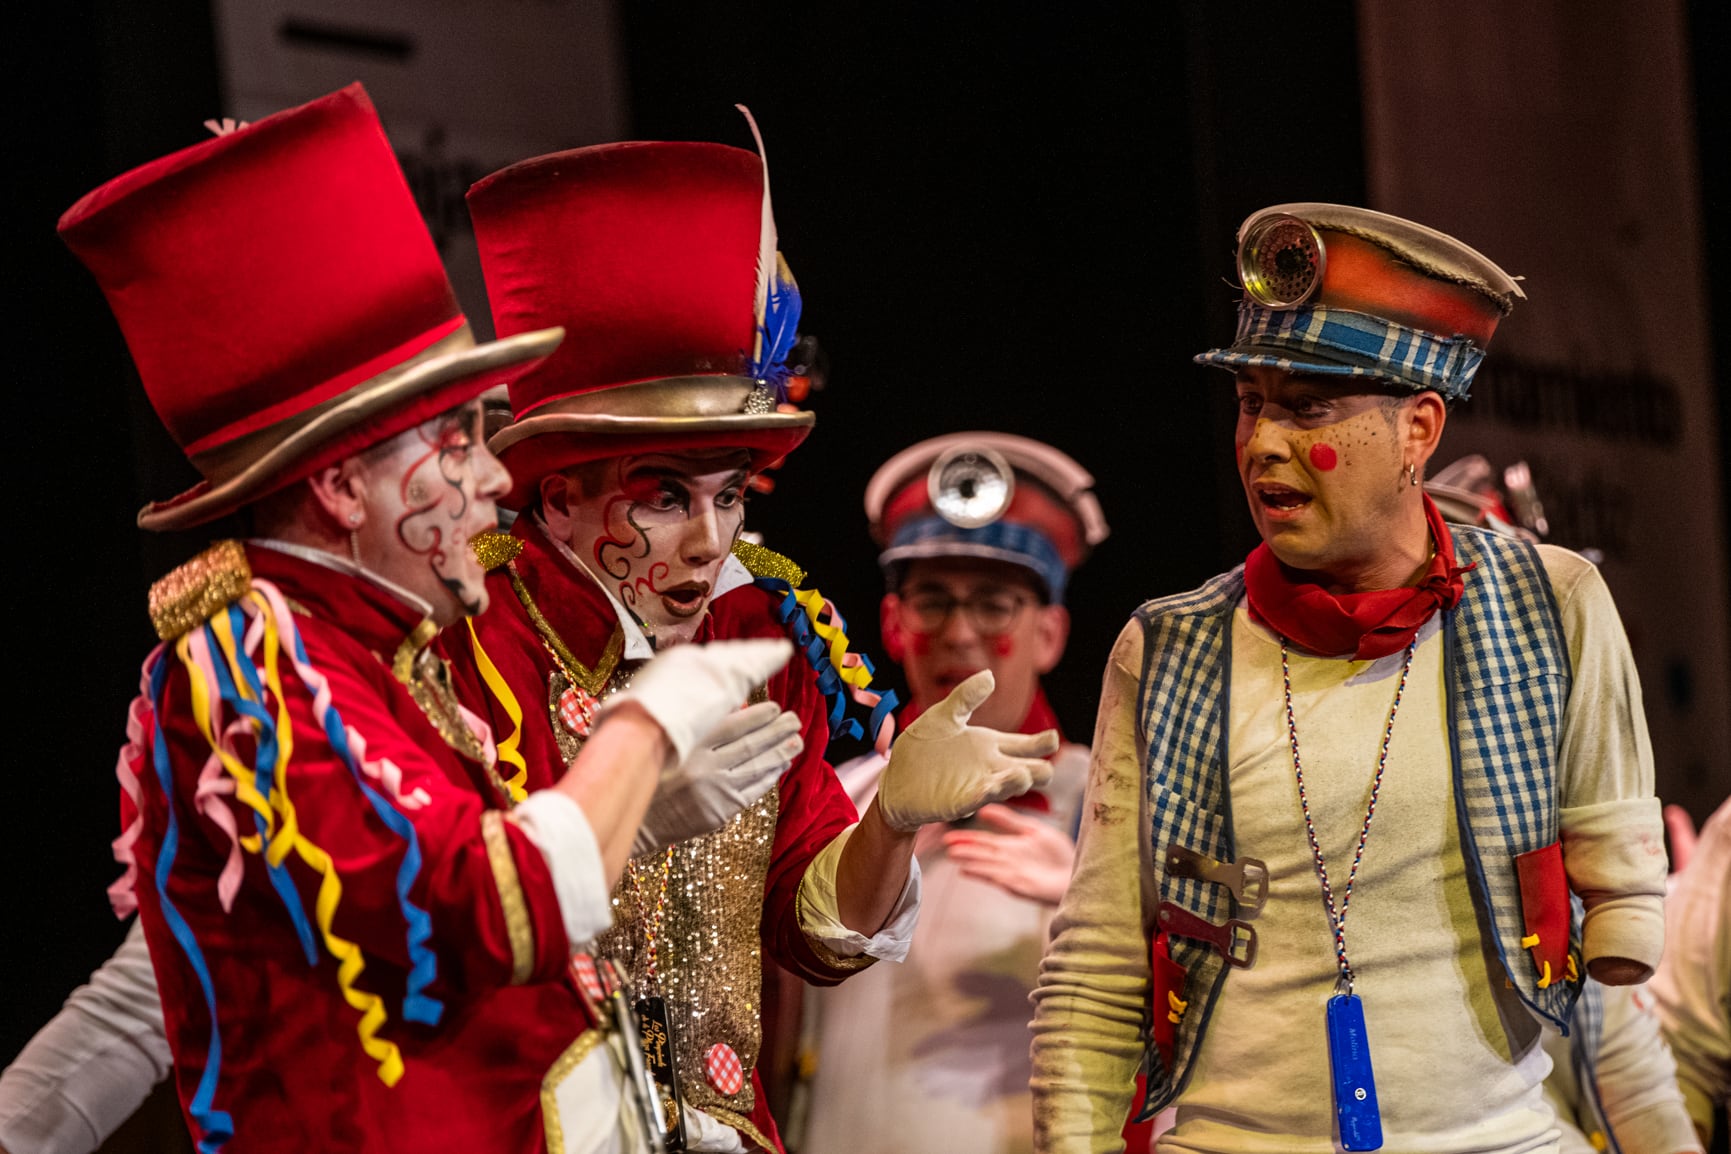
(282, 300)
(659, 261)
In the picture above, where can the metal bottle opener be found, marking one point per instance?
(1235, 940)
(1247, 877)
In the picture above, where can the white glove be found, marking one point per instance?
(705, 1134)
(689, 689)
(737, 763)
(943, 769)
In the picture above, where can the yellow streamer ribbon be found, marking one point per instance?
(245, 781)
(286, 827)
(350, 961)
(813, 602)
(518, 783)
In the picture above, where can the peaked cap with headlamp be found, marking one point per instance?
(993, 496)
(1341, 291)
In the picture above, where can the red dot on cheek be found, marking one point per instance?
(1003, 645)
(1323, 456)
(922, 644)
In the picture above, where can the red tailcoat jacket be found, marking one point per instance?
(703, 902)
(288, 1064)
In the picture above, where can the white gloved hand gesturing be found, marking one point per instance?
(690, 689)
(731, 768)
(943, 769)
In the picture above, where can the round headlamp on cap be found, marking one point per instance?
(1281, 261)
(970, 486)
(988, 496)
(1334, 290)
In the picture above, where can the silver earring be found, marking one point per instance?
(355, 550)
(354, 518)
(1411, 473)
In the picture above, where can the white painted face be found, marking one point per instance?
(655, 529)
(428, 491)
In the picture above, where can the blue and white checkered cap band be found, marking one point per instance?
(1011, 541)
(1341, 342)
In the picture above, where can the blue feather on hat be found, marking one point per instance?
(777, 299)
(778, 331)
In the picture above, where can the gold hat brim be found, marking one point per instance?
(264, 462)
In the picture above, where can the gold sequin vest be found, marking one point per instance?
(686, 927)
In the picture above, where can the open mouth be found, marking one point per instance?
(1281, 500)
(686, 599)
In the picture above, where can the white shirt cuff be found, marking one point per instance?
(557, 827)
(820, 914)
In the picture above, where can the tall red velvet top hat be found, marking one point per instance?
(283, 301)
(659, 260)
(1335, 290)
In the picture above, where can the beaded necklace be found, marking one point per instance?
(1337, 918)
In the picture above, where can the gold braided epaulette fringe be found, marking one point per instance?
(199, 589)
(761, 562)
(495, 549)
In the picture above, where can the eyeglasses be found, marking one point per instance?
(989, 613)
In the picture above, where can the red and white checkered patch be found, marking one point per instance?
(722, 1070)
(577, 710)
(588, 980)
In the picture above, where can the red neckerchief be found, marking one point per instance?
(1040, 717)
(1366, 625)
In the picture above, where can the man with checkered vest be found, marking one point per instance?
(1437, 731)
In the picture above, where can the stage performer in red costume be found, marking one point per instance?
(361, 921)
(632, 448)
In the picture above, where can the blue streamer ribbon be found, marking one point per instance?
(418, 1006)
(216, 1127)
(264, 765)
(829, 682)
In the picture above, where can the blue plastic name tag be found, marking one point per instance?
(1354, 1084)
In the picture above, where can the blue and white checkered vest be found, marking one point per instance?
(1506, 666)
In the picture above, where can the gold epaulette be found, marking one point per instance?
(494, 550)
(199, 589)
(761, 562)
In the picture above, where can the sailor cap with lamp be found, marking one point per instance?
(1336, 290)
(992, 496)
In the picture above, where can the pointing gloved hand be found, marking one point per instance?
(943, 769)
(731, 768)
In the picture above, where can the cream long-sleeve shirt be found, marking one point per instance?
(1637, 1080)
(1693, 986)
(86, 1072)
(1457, 1061)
